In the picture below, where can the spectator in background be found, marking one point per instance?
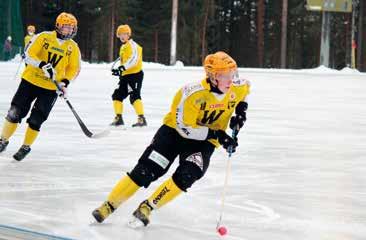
(7, 48)
(31, 31)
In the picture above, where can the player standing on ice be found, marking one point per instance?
(49, 55)
(195, 125)
(31, 31)
(130, 78)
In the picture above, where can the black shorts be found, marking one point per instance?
(44, 101)
(130, 84)
(167, 144)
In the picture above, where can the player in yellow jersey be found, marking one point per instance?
(131, 75)
(31, 31)
(49, 55)
(195, 125)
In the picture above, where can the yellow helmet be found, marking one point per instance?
(123, 29)
(31, 28)
(219, 62)
(66, 19)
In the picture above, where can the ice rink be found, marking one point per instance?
(299, 172)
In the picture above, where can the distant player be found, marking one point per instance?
(31, 30)
(130, 78)
(49, 55)
(30, 33)
(194, 127)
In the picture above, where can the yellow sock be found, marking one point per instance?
(118, 107)
(165, 193)
(139, 107)
(8, 129)
(30, 136)
(124, 189)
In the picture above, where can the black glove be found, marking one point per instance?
(47, 69)
(237, 121)
(118, 71)
(62, 88)
(225, 140)
(241, 116)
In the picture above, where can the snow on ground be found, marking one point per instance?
(299, 172)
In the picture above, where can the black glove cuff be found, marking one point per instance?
(241, 108)
(67, 82)
(41, 64)
(211, 134)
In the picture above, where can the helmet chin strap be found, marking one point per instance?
(213, 85)
(59, 35)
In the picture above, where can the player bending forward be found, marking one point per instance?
(193, 128)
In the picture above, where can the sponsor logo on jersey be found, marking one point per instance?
(185, 130)
(57, 49)
(217, 105)
(188, 90)
(164, 191)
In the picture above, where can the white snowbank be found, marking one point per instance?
(180, 66)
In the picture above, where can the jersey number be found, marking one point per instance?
(54, 59)
(211, 117)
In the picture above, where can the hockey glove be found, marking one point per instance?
(47, 69)
(118, 71)
(225, 140)
(237, 121)
(62, 90)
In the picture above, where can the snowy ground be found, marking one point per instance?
(299, 172)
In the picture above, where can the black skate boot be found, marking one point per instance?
(118, 121)
(3, 144)
(141, 215)
(103, 211)
(22, 152)
(141, 122)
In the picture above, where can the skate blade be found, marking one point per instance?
(135, 223)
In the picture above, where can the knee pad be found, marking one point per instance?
(134, 96)
(13, 115)
(144, 174)
(35, 120)
(186, 175)
(119, 94)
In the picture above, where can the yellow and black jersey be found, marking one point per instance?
(195, 109)
(64, 55)
(131, 57)
(27, 39)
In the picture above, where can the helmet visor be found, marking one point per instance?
(226, 76)
(67, 31)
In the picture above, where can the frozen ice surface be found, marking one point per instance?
(299, 171)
